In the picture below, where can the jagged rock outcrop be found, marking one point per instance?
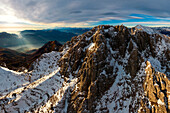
(96, 72)
(156, 92)
(46, 48)
(103, 70)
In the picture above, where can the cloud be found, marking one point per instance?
(135, 17)
(109, 13)
(160, 23)
(81, 11)
(111, 18)
(75, 12)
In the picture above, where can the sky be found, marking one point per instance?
(17, 15)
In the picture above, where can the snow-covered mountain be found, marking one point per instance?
(105, 70)
(149, 30)
(163, 30)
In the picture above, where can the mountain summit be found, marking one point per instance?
(146, 29)
(107, 69)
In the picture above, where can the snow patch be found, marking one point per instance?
(91, 46)
(146, 29)
(160, 102)
(10, 80)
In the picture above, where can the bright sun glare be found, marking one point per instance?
(9, 19)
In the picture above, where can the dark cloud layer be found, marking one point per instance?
(75, 11)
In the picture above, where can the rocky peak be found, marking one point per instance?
(48, 47)
(146, 29)
(96, 57)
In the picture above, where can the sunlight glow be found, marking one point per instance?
(10, 19)
(12, 23)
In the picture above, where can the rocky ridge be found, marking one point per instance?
(107, 69)
(14, 60)
(156, 92)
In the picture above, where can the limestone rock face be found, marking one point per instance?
(105, 70)
(156, 92)
(102, 51)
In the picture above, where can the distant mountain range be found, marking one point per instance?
(77, 31)
(163, 30)
(33, 39)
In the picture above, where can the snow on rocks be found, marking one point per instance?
(32, 89)
(160, 102)
(10, 80)
(146, 29)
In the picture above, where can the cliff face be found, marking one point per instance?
(107, 69)
(108, 58)
(156, 92)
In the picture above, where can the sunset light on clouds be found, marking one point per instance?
(16, 15)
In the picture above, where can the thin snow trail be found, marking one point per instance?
(40, 89)
(11, 80)
(31, 85)
(39, 81)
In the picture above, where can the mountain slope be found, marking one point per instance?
(146, 29)
(21, 61)
(107, 69)
(47, 48)
(11, 59)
